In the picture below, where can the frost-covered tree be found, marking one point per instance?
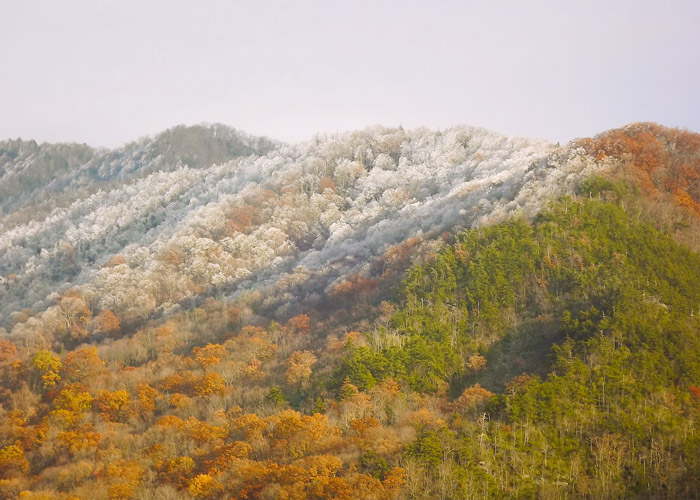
(199, 209)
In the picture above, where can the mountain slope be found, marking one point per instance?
(663, 164)
(381, 314)
(329, 206)
(39, 178)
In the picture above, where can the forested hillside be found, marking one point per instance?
(304, 216)
(381, 314)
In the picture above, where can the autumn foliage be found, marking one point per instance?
(529, 359)
(661, 160)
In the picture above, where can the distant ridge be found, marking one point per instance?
(31, 171)
(383, 314)
(243, 212)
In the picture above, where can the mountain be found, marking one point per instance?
(327, 208)
(383, 313)
(39, 178)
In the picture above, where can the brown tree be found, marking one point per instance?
(299, 368)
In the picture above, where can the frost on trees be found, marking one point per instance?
(183, 227)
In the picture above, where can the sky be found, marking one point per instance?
(109, 72)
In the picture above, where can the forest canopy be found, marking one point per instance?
(387, 314)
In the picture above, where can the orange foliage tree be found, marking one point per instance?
(106, 323)
(211, 383)
(114, 406)
(210, 355)
(83, 364)
(472, 399)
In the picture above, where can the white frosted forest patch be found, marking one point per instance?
(260, 219)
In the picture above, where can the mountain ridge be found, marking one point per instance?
(472, 177)
(81, 168)
(376, 184)
(380, 314)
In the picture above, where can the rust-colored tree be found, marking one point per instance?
(106, 323)
(300, 323)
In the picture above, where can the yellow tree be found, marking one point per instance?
(71, 404)
(12, 461)
(146, 400)
(82, 440)
(47, 365)
(211, 383)
(228, 455)
(124, 477)
(204, 486)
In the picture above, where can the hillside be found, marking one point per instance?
(378, 314)
(317, 211)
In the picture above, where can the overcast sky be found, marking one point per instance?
(108, 72)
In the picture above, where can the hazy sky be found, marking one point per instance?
(108, 72)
